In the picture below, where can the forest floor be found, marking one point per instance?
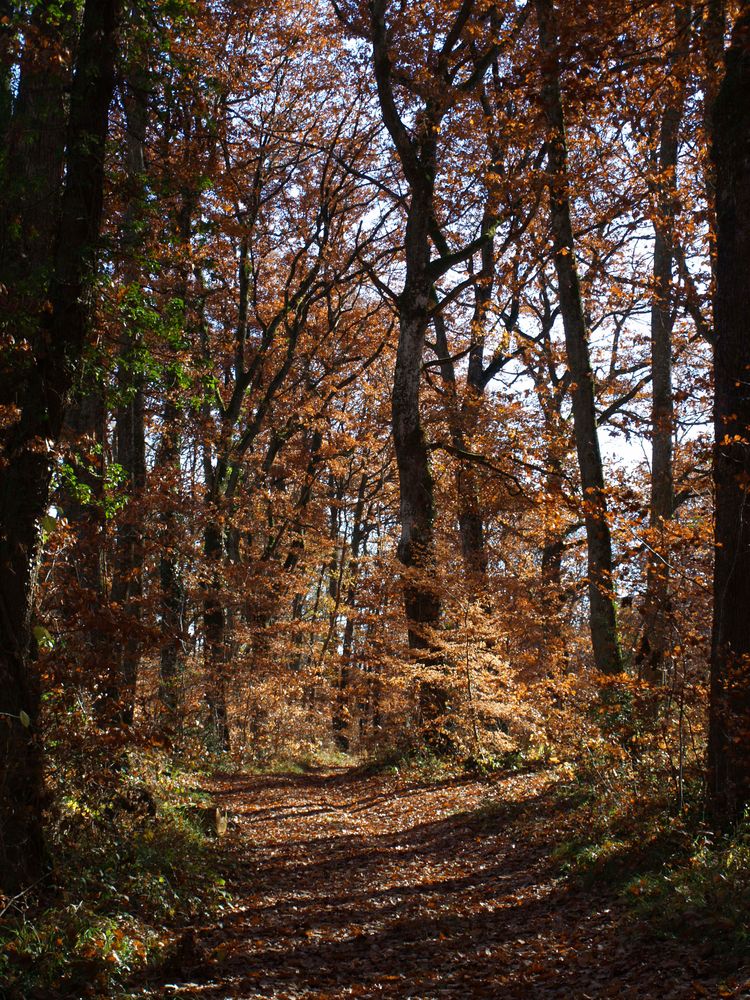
(353, 885)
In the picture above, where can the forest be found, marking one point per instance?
(374, 458)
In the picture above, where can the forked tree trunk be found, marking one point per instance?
(729, 728)
(416, 547)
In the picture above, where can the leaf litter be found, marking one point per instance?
(354, 885)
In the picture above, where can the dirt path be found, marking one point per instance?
(353, 886)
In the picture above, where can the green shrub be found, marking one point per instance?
(707, 895)
(127, 875)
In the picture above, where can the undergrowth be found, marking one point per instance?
(417, 761)
(300, 763)
(635, 783)
(129, 869)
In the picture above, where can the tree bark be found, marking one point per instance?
(654, 652)
(130, 422)
(216, 638)
(33, 171)
(462, 419)
(417, 506)
(603, 619)
(172, 591)
(36, 390)
(359, 537)
(729, 721)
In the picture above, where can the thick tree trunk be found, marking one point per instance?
(729, 733)
(37, 389)
(601, 594)
(33, 170)
(654, 652)
(417, 506)
(23, 498)
(416, 548)
(8, 34)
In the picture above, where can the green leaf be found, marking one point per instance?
(44, 638)
(25, 719)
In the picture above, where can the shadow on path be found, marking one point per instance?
(351, 885)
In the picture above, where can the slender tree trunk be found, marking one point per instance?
(127, 586)
(554, 543)
(38, 388)
(654, 652)
(215, 636)
(84, 586)
(729, 725)
(85, 422)
(297, 548)
(8, 35)
(172, 590)
(172, 597)
(471, 516)
(359, 538)
(461, 422)
(601, 594)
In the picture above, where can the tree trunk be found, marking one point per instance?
(416, 547)
(172, 596)
(417, 506)
(127, 587)
(654, 652)
(172, 590)
(603, 621)
(37, 389)
(216, 638)
(33, 170)
(84, 586)
(8, 35)
(553, 547)
(462, 421)
(359, 539)
(729, 729)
